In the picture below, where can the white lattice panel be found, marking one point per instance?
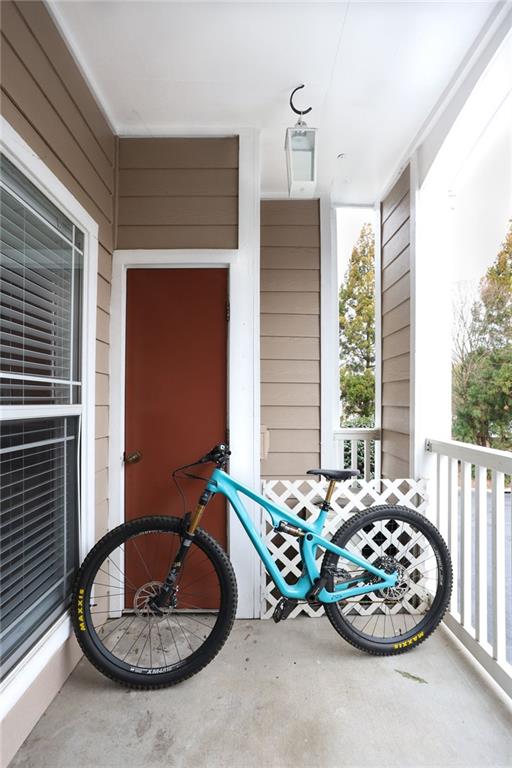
(349, 497)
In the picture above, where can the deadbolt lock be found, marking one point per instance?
(133, 457)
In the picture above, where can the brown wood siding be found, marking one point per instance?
(47, 101)
(178, 193)
(290, 335)
(396, 321)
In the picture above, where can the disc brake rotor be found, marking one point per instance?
(144, 595)
(390, 565)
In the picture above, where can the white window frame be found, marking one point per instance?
(13, 146)
(243, 265)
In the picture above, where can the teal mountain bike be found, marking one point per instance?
(155, 599)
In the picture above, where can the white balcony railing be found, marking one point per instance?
(470, 501)
(358, 449)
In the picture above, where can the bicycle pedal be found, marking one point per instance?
(283, 609)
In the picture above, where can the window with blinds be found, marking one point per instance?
(41, 288)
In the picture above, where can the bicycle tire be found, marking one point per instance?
(92, 642)
(338, 613)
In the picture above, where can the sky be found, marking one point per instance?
(481, 199)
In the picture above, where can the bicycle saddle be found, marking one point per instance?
(334, 474)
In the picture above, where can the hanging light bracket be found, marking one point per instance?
(300, 147)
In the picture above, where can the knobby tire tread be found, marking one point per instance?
(131, 679)
(331, 610)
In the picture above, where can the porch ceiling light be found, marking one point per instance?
(300, 147)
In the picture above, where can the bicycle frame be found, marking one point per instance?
(221, 482)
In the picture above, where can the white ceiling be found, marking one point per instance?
(373, 72)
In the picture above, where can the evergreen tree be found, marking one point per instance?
(357, 333)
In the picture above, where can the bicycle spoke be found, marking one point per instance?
(391, 611)
(174, 639)
(143, 637)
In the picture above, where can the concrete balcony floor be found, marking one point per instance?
(284, 696)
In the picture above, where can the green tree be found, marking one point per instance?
(357, 333)
(482, 366)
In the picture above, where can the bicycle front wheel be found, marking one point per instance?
(116, 627)
(395, 619)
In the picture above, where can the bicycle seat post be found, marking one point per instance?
(328, 496)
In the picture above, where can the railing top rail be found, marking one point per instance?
(491, 458)
(361, 433)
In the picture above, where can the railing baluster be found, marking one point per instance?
(465, 482)
(498, 552)
(453, 523)
(442, 495)
(377, 472)
(366, 466)
(491, 557)
(481, 553)
(353, 452)
(353, 436)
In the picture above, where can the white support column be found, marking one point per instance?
(378, 338)
(329, 354)
(244, 366)
(430, 325)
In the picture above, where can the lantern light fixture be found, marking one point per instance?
(301, 151)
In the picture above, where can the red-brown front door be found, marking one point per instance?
(176, 386)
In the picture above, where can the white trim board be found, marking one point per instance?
(21, 155)
(329, 345)
(243, 363)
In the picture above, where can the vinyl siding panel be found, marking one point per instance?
(396, 419)
(285, 440)
(289, 348)
(177, 211)
(290, 335)
(394, 467)
(396, 368)
(47, 101)
(290, 325)
(293, 279)
(297, 303)
(177, 182)
(289, 419)
(297, 236)
(288, 465)
(34, 115)
(179, 153)
(396, 321)
(396, 393)
(177, 237)
(396, 269)
(396, 343)
(289, 258)
(290, 394)
(178, 193)
(398, 243)
(297, 371)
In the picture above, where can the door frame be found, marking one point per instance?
(243, 374)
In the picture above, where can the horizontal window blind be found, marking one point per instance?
(38, 526)
(41, 273)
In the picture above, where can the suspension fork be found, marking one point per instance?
(168, 590)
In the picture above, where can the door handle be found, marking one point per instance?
(133, 457)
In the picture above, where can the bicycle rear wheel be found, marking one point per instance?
(116, 627)
(398, 618)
